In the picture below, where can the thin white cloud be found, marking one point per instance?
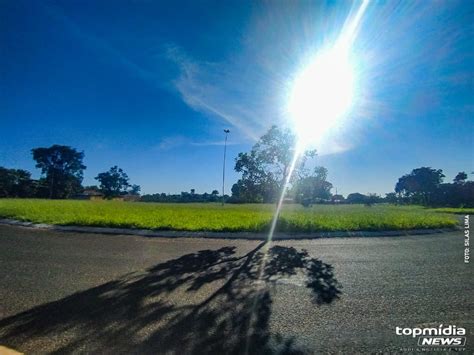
(195, 87)
(246, 92)
(205, 88)
(249, 90)
(169, 143)
(193, 83)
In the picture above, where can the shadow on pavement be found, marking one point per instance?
(209, 302)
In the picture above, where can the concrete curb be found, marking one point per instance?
(8, 351)
(222, 235)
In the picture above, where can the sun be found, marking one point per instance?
(322, 93)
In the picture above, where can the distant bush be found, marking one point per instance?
(186, 197)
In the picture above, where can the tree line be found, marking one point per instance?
(265, 171)
(62, 171)
(266, 168)
(184, 197)
(425, 186)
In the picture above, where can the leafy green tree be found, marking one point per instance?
(460, 178)
(255, 188)
(267, 166)
(391, 197)
(183, 197)
(214, 196)
(113, 183)
(6, 182)
(372, 198)
(135, 190)
(16, 183)
(62, 169)
(420, 185)
(457, 194)
(425, 186)
(356, 197)
(313, 188)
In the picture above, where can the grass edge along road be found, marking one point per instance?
(230, 218)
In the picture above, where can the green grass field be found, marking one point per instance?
(454, 210)
(213, 217)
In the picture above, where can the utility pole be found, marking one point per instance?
(226, 131)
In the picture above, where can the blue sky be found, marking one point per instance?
(150, 85)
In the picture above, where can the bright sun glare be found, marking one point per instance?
(322, 93)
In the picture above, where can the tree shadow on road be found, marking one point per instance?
(208, 302)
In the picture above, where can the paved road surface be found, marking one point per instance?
(74, 293)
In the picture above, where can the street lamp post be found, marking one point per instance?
(226, 131)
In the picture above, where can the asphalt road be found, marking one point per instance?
(72, 293)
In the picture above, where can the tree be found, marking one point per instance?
(460, 178)
(267, 166)
(425, 186)
(420, 185)
(254, 188)
(314, 188)
(391, 197)
(16, 183)
(135, 190)
(113, 183)
(356, 198)
(183, 197)
(62, 169)
(372, 198)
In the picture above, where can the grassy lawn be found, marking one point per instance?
(455, 210)
(212, 217)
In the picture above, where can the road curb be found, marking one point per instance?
(4, 350)
(222, 235)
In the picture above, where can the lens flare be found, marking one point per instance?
(322, 93)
